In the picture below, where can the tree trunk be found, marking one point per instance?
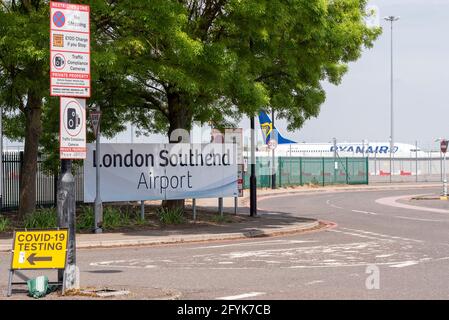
(33, 130)
(180, 117)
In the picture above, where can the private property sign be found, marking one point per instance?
(69, 50)
(39, 249)
(134, 172)
(72, 128)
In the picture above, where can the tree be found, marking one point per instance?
(31, 115)
(215, 60)
(24, 83)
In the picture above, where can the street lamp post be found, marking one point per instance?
(443, 149)
(391, 19)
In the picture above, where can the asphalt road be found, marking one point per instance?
(401, 253)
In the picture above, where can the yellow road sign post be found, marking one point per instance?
(38, 249)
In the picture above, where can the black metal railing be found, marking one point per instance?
(46, 183)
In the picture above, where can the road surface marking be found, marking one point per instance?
(374, 234)
(242, 296)
(367, 212)
(280, 242)
(333, 205)
(314, 282)
(404, 264)
(417, 219)
(359, 235)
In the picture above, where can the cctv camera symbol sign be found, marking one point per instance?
(72, 118)
(73, 128)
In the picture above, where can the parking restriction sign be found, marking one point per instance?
(69, 50)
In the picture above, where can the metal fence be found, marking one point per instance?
(428, 169)
(292, 171)
(46, 184)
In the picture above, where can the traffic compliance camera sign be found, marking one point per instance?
(72, 128)
(69, 50)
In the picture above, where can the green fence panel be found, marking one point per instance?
(294, 171)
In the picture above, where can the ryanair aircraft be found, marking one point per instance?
(289, 148)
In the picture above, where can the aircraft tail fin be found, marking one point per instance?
(269, 132)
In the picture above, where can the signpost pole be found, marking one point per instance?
(1, 158)
(273, 157)
(98, 207)
(416, 160)
(335, 160)
(444, 176)
(61, 85)
(66, 219)
(142, 210)
(252, 179)
(443, 149)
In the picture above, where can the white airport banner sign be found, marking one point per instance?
(69, 50)
(72, 128)
(133, 172)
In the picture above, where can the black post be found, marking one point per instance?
(252, 179)
(66, 213)
(66, 207)
(274, 136)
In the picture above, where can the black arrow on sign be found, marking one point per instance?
(33, 258)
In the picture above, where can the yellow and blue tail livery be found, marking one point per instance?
(269, 131)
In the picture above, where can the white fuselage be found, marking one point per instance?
(371, 150)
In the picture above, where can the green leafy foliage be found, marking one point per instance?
(5, 224)
(115, 217)
(85, 220)
(171, 215)
(162, 64)
(41, 219)
(173, 61)
(221, 219)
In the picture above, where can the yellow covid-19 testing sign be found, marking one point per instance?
(39, 249)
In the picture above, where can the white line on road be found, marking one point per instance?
(250, 243)
(381, 235)
(417, 219)
(314, 282)
(242, 296)
(404, 264)
(367, 212)
(333, 205)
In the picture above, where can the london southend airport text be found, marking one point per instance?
(166, 159)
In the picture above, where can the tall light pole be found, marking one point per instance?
(273, 135)
(391, 19)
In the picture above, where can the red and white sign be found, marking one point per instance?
(69, 50)
(95, 117)
(240, 178)
(272, 144)
(72, 128)
(443, 145)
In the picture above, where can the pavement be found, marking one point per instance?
(267, 223)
